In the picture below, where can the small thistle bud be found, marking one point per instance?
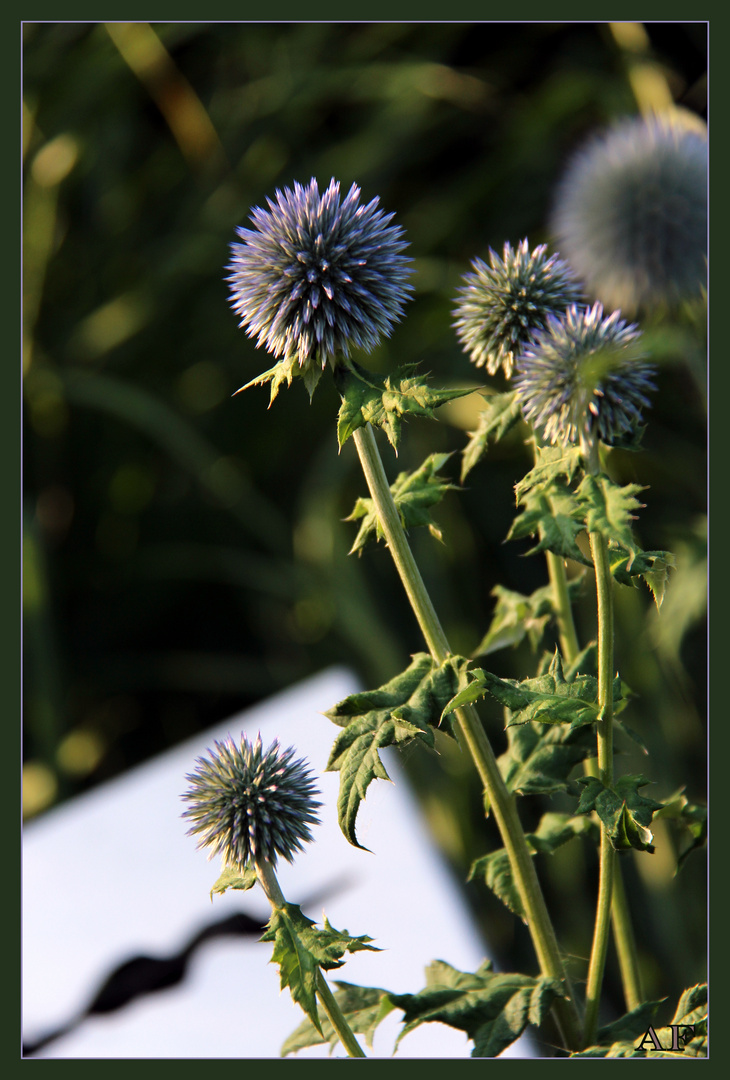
(630, 213)
(248, 804)
(584, 377)
(318, 276)
(501, 305)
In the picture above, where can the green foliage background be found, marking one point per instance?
(185, 551)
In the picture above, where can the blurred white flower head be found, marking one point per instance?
(630, 213)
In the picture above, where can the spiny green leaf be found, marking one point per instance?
(232, 878)
(493, 1009)
(495, 871)
(692, 1006)
(557, 829)
(552, 463)
(540, 758)
(652, 566)
(414, 495)
(406, 708)
(500, 413)
(549, 698)
(517, 616)
(609, 510)
(558, 523)
(691, 817)
(383, 402)
(364, 1007)
(632, 1025)
(586, 658)
(283, 372)
(311, 373)
(625, 813)
(630, 1037)
(553, 831)
(300, 949)
(623, 729)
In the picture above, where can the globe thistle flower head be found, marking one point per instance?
(502, 304)
(247, 803)
(319, 275)
(585, 377)
(630, 214)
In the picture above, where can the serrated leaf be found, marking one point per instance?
(557, 534)
(557, 522)
(383, 402)
(652, 566)
(609, 510)
(691, 817)
(553, 831)
(364, 1007)
(231, 878)
(406, 708)
(552, 463)
(623, 729)
(632, 1025)
(540, 759)
(493, 1009)
(586, 658)
(414, 494)
(283, 372)
(549, 698)
(625, 813)
(500, 413)
(468, 694)
(692, 1005)
(311, 374)
(630, 1037)
(556, 829)
(300, 948)
(517, 616)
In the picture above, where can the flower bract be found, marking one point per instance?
(319, 275)
(502, 304)
(585, 376)
(247, 803)
(630, 213)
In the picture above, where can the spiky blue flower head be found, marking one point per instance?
(247, 803)
(585, 377)
(502, 304)
(319, 275)
(630, 214)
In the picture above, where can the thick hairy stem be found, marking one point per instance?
(474, 736)
(270, 885)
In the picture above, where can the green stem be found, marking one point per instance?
(337, 1018)
(623, 931)
(569, 646)
(270, 885)
(599, 948)
(473, 734)
(604, 732)
(623, 935)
